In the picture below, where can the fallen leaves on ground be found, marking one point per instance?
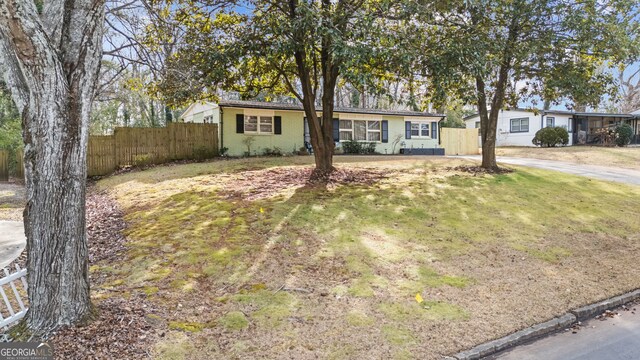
(119, 332)
(104, 228)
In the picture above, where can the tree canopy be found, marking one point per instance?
(497, 53)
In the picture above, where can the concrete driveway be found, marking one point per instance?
(12, 241)
(626, 176)
(612, 339)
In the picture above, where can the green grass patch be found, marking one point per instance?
(270, 309)
(233, 321)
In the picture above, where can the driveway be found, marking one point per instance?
(12, 241)
(626, 176)
(616, 338)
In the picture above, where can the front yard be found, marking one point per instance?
(239, 260)
(628, 157)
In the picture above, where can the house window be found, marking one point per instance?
(360, 130)
(551, 121)
(520, 125)
(208, 119)
(420, 129)
(477, 124)
(258, 124)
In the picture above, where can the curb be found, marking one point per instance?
(545, 328)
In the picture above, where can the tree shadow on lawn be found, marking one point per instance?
(334, 273)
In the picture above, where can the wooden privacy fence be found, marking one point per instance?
(140, 146)
(458, 141)
(4, 165)
(20, 164)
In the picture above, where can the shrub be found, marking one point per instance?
(551, 136)
(276, 151)
(623, 134)
(356, 147)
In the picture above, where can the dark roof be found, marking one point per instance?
(603, 114)
(298, 107)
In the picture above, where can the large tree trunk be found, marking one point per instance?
(51, 62)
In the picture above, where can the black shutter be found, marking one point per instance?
(407, 129)
(277, 125)
(385, 131)
(434, 130)
(240, 123)
(336, 130)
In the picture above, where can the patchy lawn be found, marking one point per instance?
(240, 260)
(628, 157)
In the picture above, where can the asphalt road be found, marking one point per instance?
(12, 241)
(626, 176)
(615, 338)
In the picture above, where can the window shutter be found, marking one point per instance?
(434, 130)
(277, 125)
(407, 129)
(385, 131)
(239, 123)
(336, 130)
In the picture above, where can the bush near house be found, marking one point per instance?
(551, 136)
(356, 147)
(623, 134)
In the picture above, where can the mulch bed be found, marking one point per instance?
(478, 170)
(121, 331)
(260, 184)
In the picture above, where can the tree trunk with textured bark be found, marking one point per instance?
(51, 62)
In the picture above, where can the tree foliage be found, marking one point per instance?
(10, 126)
(499, 52)
(297, 48)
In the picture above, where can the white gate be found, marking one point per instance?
(13, 308)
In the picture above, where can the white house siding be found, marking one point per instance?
(507, 137)
(397, 128)
(197, 112)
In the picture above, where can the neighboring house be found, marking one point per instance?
(284, 126)
(202, 112)
(517, 127)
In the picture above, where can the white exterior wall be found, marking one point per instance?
(198, 111)
(504, 135)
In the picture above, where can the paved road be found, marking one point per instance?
(12, 241)
(626, 176)
(612, 339)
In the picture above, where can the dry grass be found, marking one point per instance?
(309, 273)
(589, 155)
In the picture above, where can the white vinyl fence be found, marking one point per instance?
(13, 288)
